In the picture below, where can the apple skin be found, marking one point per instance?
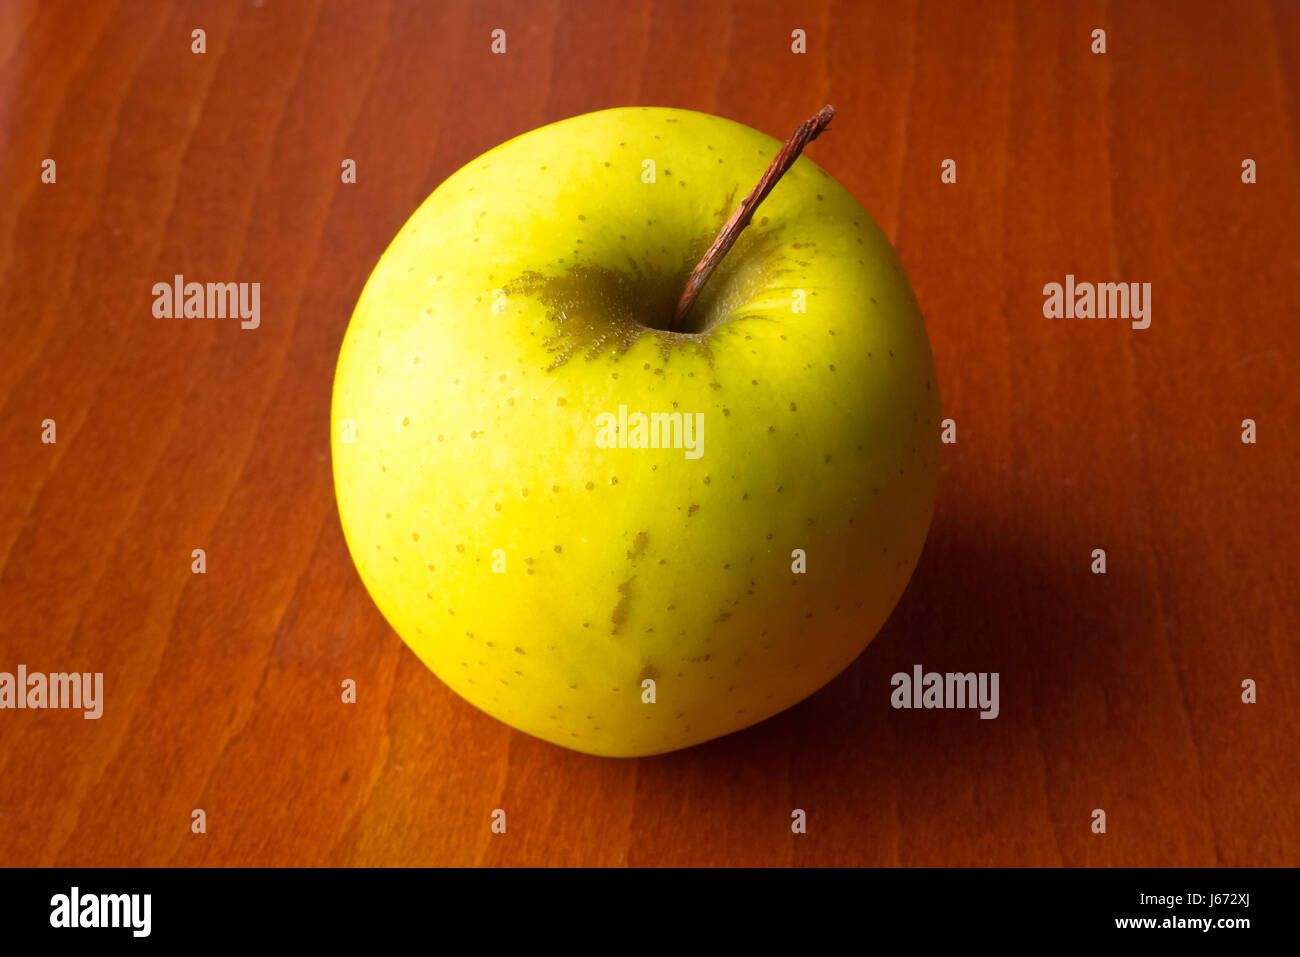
(473, 433)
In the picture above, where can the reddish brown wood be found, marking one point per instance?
(1120, 692)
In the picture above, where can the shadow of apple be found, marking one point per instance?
(930, 784)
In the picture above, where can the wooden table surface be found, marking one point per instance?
(1120, 691)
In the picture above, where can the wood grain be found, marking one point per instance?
(1119, 691)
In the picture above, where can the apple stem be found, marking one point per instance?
(808, 131)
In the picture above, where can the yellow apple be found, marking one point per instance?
(615, 535)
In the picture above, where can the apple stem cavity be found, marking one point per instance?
(808, 131)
